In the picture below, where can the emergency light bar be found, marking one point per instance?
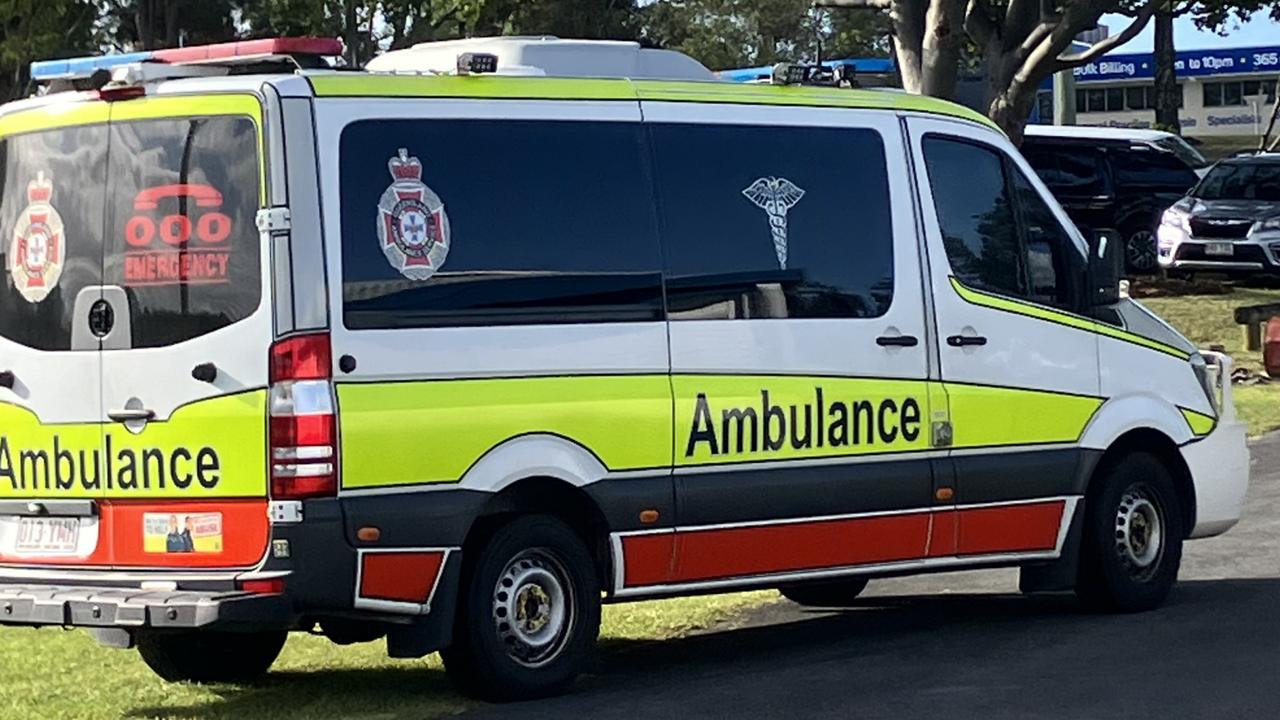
(85, 67)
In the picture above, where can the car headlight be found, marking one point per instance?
(1270, 224)
(1208, 381)
(1173, 217)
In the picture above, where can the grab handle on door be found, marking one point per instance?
(897, 341)
(130, 414)
(8, 379)
(966, 341)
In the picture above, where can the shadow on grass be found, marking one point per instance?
(777, 659)
(409, 692)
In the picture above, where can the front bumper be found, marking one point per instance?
(1219, 461)
(1178, 251)
(125, 608)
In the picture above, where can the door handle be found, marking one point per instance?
(897, 341)
(966, 341)
(130, 414)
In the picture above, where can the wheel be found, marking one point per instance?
(529, 613)
(1140, 252)
(210, 656)
(828, 594)
(1132, 542)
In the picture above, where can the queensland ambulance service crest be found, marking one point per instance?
(413, 229)
(39, 247)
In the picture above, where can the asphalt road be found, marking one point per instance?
(966, 645)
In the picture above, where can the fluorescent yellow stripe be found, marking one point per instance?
(978, 297)
(425, 432)
(986, 416)
(541, 88)
(742, 93)
(55, 115)
(472, 86)
(1200, 423)
(45, 461)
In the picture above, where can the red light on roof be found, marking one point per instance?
(250, 48)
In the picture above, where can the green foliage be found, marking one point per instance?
(35, 29)
(740, 33)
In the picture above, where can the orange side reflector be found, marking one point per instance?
(368, 534)
(648, 517)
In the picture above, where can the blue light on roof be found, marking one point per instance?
(82, 67)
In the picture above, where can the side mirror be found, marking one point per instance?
(1106, 267)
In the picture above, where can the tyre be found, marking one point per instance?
(210, 656)
(1140, 252)
(1131, 546)
(529, 613)
(829, 594)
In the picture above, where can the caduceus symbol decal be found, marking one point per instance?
(775, 196)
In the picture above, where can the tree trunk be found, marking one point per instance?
(351, 33)
(1271, 122)
(943, 40)
(906, 19)
(1166, 81)
(171, 31)
(144, 18)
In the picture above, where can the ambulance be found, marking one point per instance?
(451, 350)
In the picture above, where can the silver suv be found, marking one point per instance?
(1229, 222)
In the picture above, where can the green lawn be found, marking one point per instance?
(51, 673)
(1207, 320)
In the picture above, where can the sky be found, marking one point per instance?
(1260, 30)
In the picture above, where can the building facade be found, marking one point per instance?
(1224, 92)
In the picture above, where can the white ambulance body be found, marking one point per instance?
(446, 359)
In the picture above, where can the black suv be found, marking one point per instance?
(1109, 178)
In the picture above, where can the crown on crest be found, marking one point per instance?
(40, 189)
(405, 167)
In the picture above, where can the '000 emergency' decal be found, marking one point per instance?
(213, 448)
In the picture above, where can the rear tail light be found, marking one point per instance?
(303, 419)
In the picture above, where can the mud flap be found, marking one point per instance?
(1058, 575)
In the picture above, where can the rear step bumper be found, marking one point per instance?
(96, 606)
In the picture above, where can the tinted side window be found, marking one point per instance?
(998, 232)
(976, 215)
(477, 222)
(51, 203)
(1068, 169)
(180, 234)
(774, 222)
(1152, 168)
(1055, 268)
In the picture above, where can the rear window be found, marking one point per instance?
(51, 204)
(181, 236)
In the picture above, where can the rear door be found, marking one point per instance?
(54, 170)
(185, 361)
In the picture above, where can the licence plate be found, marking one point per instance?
(1219, 248)
(47, 536)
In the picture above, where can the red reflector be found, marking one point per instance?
(274, 586)
(124, 92)
(301, 357)
(250, 48)
(292, 431)
(297, 488)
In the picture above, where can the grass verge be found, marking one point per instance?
(1208, 320)
(52, 673)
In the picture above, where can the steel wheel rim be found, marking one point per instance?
(533, 609)
(1141, 250)
(1140, 529)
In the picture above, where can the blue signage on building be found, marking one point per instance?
(1192, 63)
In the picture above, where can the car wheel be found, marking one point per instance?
(1132, 543)
(830, 594)
(529, 614)
(206, 657)
(1140, 252)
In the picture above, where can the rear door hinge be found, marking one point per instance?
(274, 219)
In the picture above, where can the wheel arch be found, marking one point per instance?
(1158, 444)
